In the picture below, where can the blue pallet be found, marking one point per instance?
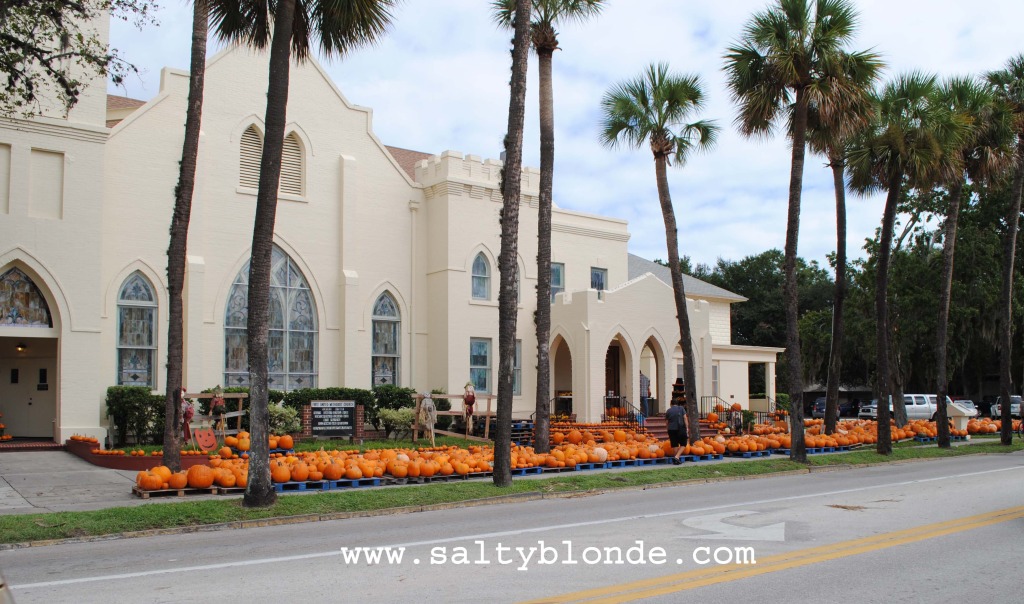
(646, 462)
(525, 471)
(307, 485)
(347, 483)
(842, 448)
(748, 454)
(620, 463)
(957, 438)
(591, 466)
(925, 439)
(662, 460)
(688, 458)
(781, 451)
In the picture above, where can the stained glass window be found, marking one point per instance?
(136, 332)
(481, 278)
(21, 302)
(386, 354)
(292, 338)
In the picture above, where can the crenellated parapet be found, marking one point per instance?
(455, 174)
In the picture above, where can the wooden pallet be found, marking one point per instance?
(230, 490)
(172, 492)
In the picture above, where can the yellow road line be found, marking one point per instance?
(657, 586)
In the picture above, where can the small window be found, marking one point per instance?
(481, 278)
(557, 279)
(250, 153)
(291, 166)
(715, 368)
(480, 364)
(517, 370)
(598, 278)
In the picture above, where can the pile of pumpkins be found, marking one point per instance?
(985, 425)
(196, 477)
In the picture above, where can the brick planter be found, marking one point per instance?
(126, 462)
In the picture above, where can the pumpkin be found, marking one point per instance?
(200, 477)
(150, 481)
(315, 475)
(300, 472)
(178, 480)
(713, 417)
(226, 479)
(231, 441)
(353, 473)
(285, 442)
(163, 471)
(225, 452)
(279, 472)
(244, 444)
(333, 471)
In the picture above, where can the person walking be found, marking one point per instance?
(678, 429)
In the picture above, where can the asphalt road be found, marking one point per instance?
(941, 531)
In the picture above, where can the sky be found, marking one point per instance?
(439, 81)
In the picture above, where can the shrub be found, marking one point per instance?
(284, 420)
(395, 420)
(782, 402)
(389, 397)
(136, 410)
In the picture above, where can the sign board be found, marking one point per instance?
(333, 418)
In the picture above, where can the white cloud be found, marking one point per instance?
(440, 81)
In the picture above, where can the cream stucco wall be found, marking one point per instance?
(362, 226)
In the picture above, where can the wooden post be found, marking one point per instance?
(416, 418)
(487, 419)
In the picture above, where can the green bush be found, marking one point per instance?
(782, 402)
(395, 420)
(389, 397)
(136, 410)
(284, 420)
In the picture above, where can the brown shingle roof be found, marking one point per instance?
(122, 102)
(407, 159)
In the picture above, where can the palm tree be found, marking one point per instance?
(653, 108)
(545, 14)
(179, 235)
(1009, 88)
(790, 55)
(829, 128)
(287, 26)
(507, 297)
(908, 142)
(983, 154)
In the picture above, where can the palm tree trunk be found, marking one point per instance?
(547, 173)
(679, 294)
(507, 304)
(789, 294)
(1006, 297)
(942, 329)
(260, 490)
(882, 316)
(176, 250)
(835, 359)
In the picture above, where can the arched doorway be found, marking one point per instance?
(561, 376)
(28, 358)
(619, 387)
(652, 367)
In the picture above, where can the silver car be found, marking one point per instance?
(997, 407)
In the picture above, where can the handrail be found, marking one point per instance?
(626, 412)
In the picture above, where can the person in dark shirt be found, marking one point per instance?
(678, 428)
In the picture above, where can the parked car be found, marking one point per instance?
(846, 408)
(997, 407)
(919, 406)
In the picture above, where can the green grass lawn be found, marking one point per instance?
(61, 525)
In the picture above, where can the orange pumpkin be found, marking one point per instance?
(200, 477)
(178, 480)
(279, 472)
(285, 442)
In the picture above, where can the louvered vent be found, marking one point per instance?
(249, 163)
(291, 166)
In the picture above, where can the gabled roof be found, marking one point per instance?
(694, 286)
(407, 158)
(122, 102)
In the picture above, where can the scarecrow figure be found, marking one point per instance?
(187, 411)
(427, 417)
(468, 400)
(218, 408)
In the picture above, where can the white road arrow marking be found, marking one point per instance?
(717, 529)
